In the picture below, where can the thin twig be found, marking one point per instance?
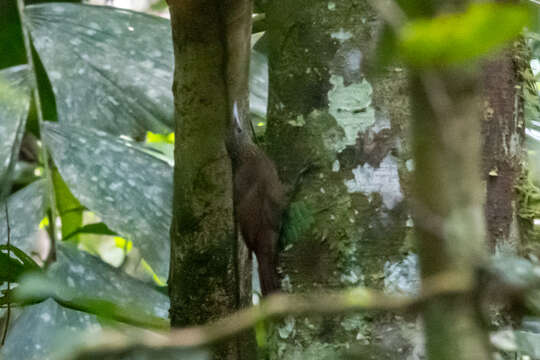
(8, 313)
(44, 154)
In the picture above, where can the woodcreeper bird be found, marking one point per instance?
(259, 201)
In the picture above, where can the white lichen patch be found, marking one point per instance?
(409, 164)
(298, 122)
(353, 60)
(287, 329)
(383, 180)
(341, 35)
(352, 278)
(403, 276)
(350, 107)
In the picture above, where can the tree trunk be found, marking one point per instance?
(503, 132)
(209, 275)
(448, 201)
(337, 139)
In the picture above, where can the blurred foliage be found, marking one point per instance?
(450, 39)
(14, 263)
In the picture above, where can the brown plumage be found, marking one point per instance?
(259, 201)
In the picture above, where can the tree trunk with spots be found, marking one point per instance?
(338, 141)
(210, 273)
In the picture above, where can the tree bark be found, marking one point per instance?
(503, 133)
(338, 141)
(210, 273)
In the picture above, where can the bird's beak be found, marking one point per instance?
(236, 117)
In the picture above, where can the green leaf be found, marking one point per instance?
(97, 228)
(14, 263)
(26, 209)
(14, 105)
(27, 261)
(44, 328)
(111, 69)
(129, 189)
(81, 281)
(10, 269)
(459, 37)
(54, 332)
(69, 208)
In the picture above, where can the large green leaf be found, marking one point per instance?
(109, 68)
(26, 209)
(14, 104)
(112, 69)
(44, 327)
(128, 188)
(82, 281)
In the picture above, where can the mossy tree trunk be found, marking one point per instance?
(338, 141)
(209, 277)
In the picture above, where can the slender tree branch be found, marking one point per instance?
(44, 154)
(8, 311)
(281, 305)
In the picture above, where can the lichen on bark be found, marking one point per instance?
(346, 156)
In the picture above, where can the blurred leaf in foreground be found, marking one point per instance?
(84, 282)
(456, 38)
(44, 328)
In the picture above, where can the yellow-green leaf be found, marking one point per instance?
(456, 38)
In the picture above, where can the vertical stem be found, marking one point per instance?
(448, 193)
(8, 314)
(45, 156)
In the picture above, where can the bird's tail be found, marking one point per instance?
(268, 278)
(267, 257)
